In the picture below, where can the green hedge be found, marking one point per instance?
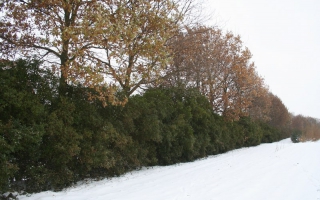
(48, 142)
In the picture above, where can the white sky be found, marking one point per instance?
(284, 38)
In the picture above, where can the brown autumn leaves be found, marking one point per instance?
(217, 64)
(124, 45)
(122, 42)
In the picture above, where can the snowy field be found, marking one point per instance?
(277, 171)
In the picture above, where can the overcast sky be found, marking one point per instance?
(284, 38)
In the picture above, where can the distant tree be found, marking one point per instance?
(279, 116)
(298, 122)
(307, 126)
(247, 86)
(218, 65)
(260, 107)
(295, 136)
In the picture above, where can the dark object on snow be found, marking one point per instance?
(295, 136)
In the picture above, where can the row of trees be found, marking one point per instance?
(219, 66)
(69, 72)
(306, 128)
(124, 45)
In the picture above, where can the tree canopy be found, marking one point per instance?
(219, 66)
(87, 42)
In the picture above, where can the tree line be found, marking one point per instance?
(49, 142)
(94, 89)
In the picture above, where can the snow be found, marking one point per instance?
(277, 171)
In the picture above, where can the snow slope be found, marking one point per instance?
(277, 171)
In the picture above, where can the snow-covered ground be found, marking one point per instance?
(276, 171)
